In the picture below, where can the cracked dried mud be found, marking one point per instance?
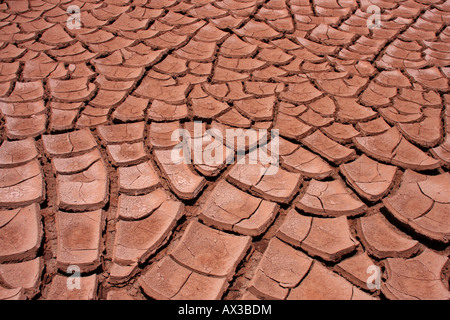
(88, 181)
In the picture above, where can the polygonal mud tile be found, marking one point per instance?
(240, 64)
(210, 156)
(358, 270)
(431, 78)
(61, 120)
(281, 268)
(176, 19)
(382, 240)
(275, 55)
(298, 159)
(373, 127)
(132, 109)
(208, 107)
(349, 110)
(20, 232)
(328, 238)
(172, 65)
(300, 92)
(112, 45)
(328, 148)
(258, 109)
(342, 87)
(92, 116)
(393, 78)
(420, 96)
(125, 154)
(210, 33)
(24, 275)
(323, 284)
(121, 273)
(341, 133)
(136, 240)
(200, 68)
(199, 51)
(416, 278)
(210, 252)
(22, 109)
(109, 11)
(112, 85)
(330, 198)
(73, 90)
(107, 98)
(257, 30)
(73, 288)
(234, 47)
(56, 35)
(25, 91)
(87, 190)
(316, 47)
(269, 185)
(160, 134)
(393, 115)
(22, 128)
(268, 181)
(291, 127)
(97, 36)
(79, 239)
(426, 133)
(183, 181)
(70, 143)
(124, 132)
(137, 179)
(392, 147)
(16, 153)
(152, 89)
(208, 11)
(11, 52)
(120, 73)
(89, 120)
(229, 208)
(21, 185)
(12, 294)
(234, 118)
(167, 279)
(422, 203)
(44, 68)
(76, 164)
(127, 23)
(369, 178)
(167, 40)
(262, 88)
(442, 152)
(139, 207)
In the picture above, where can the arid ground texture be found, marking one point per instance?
(93, 205)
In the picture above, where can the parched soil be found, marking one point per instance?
(351, 200)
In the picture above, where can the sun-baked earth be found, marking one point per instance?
(87, 182)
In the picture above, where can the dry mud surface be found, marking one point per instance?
(88, 185)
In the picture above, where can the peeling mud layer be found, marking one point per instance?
(92, 205)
